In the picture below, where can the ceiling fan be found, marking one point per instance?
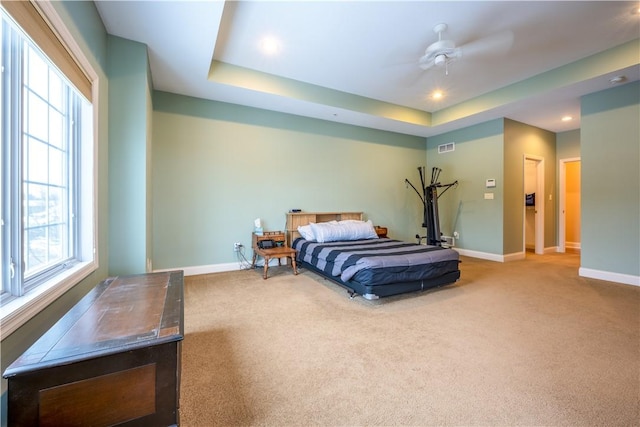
(443, 52)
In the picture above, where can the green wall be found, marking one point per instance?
(218, 167)
(610, 179)
(478, 156)
(568, 144)
(521, 139)
(84, 23)
(129, 156)
(492, 228)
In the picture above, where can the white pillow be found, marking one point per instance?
(331, 232)
(306, 232)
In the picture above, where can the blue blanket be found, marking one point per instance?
(380, 260)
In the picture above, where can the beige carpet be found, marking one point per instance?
(520, 343)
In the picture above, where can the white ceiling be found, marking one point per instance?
(346, 61)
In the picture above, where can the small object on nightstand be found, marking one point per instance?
(257, 226)
(266, 244)
(380, 231)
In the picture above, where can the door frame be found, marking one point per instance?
(562, 201)
(539, 207)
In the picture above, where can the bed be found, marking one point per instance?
(351, 254)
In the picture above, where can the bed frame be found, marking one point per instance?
(370, 292)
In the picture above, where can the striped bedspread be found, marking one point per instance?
(377, 261)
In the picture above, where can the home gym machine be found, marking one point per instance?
(429, 198)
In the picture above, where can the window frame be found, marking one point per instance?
(20, 310)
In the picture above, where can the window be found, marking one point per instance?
(47, 179)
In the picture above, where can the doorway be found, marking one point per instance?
(569, 205)
(533, 212)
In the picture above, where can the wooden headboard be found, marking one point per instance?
(296, 219)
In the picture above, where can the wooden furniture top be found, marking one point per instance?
(304, 218)
(121, 313)
(296, 219)
(277, 252)
(276, 236)
(381, 231)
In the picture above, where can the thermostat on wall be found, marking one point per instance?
(491, 183)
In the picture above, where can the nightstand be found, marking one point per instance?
(280, 250)
(380, 231)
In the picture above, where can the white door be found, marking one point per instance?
(569, 205)
(534, 179)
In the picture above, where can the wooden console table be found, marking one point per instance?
(114, 358)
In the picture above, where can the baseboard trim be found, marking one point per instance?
(626, 279)
(482, 255)
(204, 269)
(516, 256)
(217, 268)
(572, 245)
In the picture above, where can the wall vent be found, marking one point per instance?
(445, 148)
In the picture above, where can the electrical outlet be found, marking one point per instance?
(237, 246)
(456, 234)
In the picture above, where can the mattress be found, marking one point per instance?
(374, 262)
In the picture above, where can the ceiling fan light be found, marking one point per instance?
(440, 60)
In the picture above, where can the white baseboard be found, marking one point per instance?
(516, 256)
(626, 279)
(572, 245)
(481, 255)
(549, 250)
(205, 269)
(217, 268)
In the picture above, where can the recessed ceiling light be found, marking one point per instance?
(635, 10)
(567, 118)
(617, 79)
(438, 94)
(269, 45)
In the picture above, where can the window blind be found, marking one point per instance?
(29, 17)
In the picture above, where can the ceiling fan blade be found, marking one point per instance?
(426, 63)
(414, 78)
(495, 44)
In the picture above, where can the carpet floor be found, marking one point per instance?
(525, 343)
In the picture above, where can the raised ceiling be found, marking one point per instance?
(356, 62)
